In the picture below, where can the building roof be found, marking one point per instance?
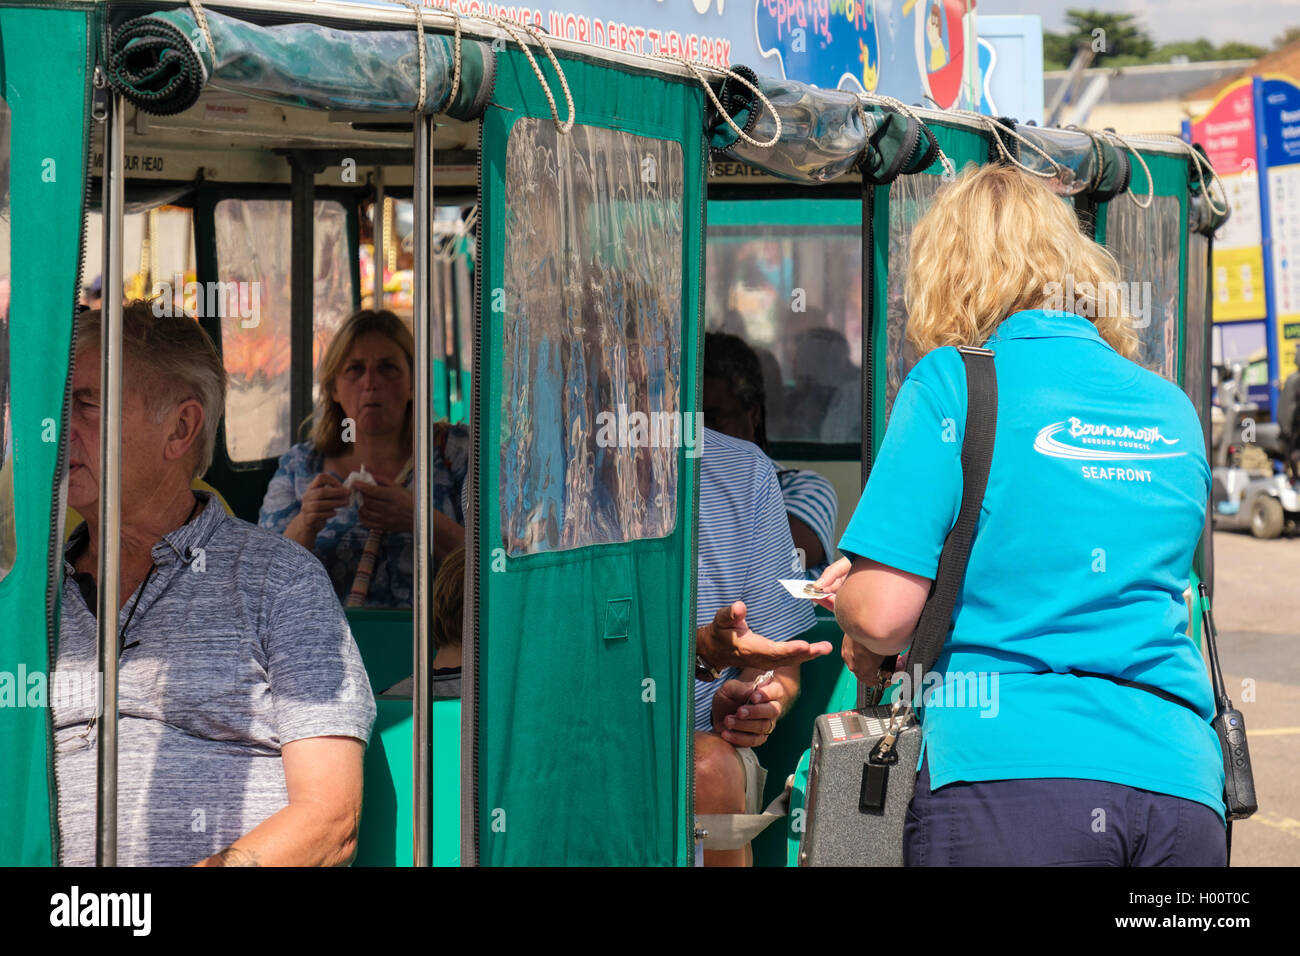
(1154, 82)
(1285, 60)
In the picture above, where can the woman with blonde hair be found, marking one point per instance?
(1085, 737)
(345, 494)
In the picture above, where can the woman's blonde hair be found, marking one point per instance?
(449, 600)
(995, 242)
(327, 426)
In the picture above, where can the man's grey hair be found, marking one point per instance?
(168, 360)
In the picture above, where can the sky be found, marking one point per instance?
(1169, 21)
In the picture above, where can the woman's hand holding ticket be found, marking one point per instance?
(831, 581)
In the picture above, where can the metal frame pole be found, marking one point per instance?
(425, 332)
(110, 483)
(302, 307)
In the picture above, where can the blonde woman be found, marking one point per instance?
(363, 418)
(1082, 731)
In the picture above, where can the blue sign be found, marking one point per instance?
(1281, 113)
(813, 47)
(920, 51)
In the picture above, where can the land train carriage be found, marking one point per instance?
(578, 218)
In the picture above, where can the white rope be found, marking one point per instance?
(776, 137)
(1116, 140)
(1202, 165)
(419, 40)
(949, 170)
(201, 19)
(455, 76)
(448, 252)
(994, 126)
(513, 28)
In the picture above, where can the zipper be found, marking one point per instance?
(868, 327)
(470, 847)
(94, 100)
(689, 663)
(868, 355)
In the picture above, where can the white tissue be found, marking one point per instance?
(352, 479)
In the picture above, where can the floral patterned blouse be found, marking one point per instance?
(340, 543)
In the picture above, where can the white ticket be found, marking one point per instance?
(800, 588)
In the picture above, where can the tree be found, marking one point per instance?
(1290, 35)
(1058, 50)
(1202, 50)
(1118, 40)
(1120, 33)
(1196, 51)
(1233, 50)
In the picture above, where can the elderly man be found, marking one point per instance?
(245, 708)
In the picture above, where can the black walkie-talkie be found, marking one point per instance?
(1238, 778)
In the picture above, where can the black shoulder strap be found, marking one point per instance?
(976, 457)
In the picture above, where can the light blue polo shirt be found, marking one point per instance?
(1095, 502)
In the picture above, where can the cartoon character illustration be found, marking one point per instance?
(839, 48)
(945, 30)
(870, 67)
(934, 35)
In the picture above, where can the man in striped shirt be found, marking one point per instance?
(744, 548)
(735, 404)
(810, 505)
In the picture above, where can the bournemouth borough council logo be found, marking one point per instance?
(1083, 441)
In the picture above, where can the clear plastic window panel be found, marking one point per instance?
(454, 294)
(1195, 360)
(253, 253)
(1147, 244)
(157, 258)
(331, 283)
(909, 199)
(794, 294)
(8, 531)
(397, 225)
(590, 400)
(453, 301)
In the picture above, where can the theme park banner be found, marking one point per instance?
(1279, 106)
(1227, 131)
(920, 51)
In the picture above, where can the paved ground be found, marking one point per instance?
(1257, 612)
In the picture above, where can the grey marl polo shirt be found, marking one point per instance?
(234, 650)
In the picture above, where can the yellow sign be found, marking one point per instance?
(1288, 337)
(1238, 284)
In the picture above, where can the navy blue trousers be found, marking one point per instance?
(1057, 822)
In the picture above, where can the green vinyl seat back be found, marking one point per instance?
(385, 837)
(825, 686)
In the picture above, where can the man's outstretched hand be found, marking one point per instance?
(728, 642)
